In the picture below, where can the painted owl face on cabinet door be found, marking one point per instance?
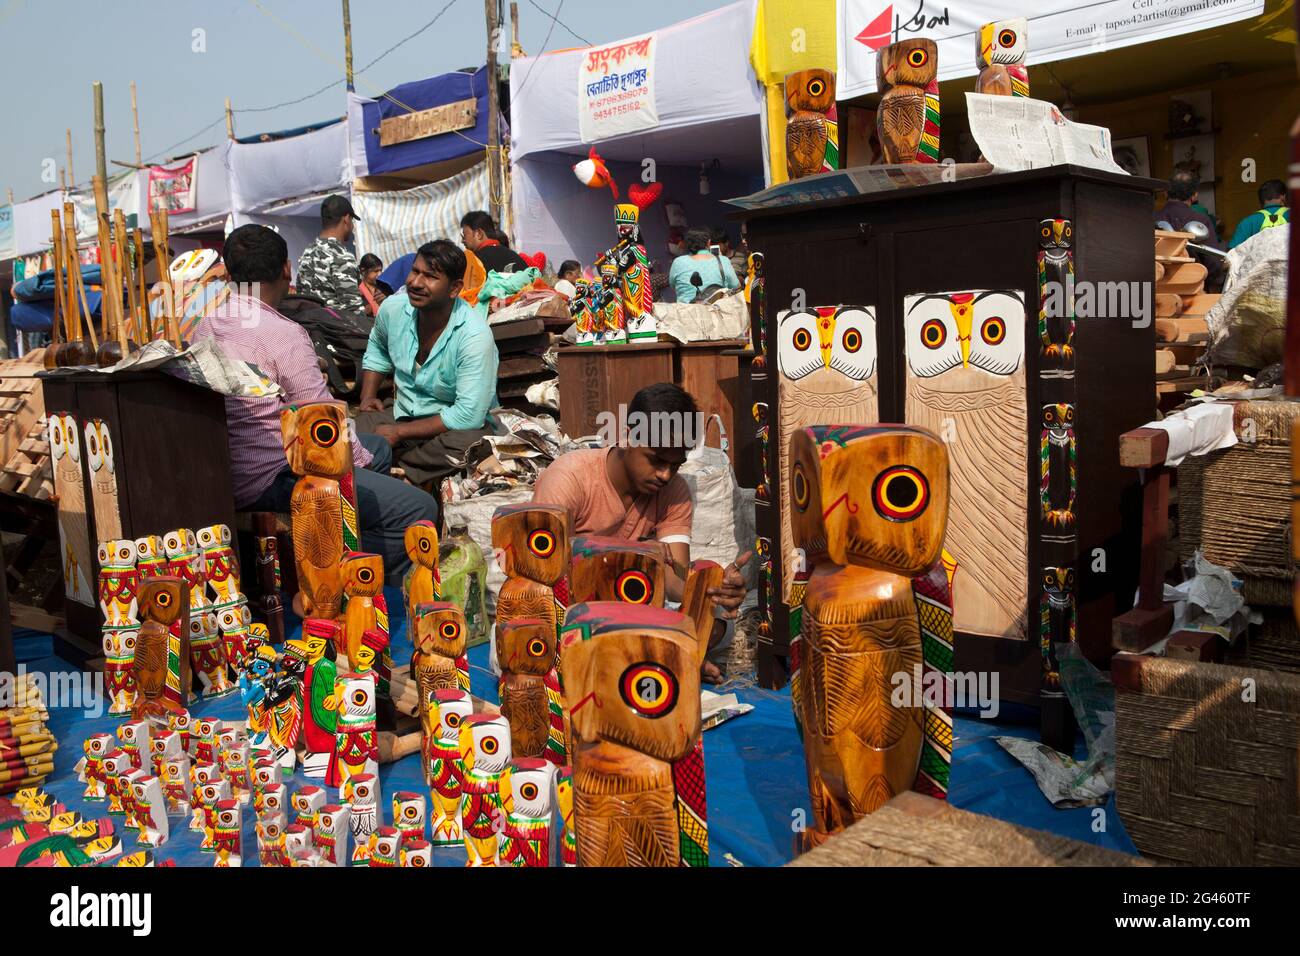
(826, 365)
(966, 383)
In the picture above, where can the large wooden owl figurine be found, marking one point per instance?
(162, 653)
(812, 141)
(75, 554)
(103, 479)
(907, 120)
(870, 505)
(632, 691)
(529, 689)
(323, 505)
(966, 383)
(532, 547)
(1000, 51)
(826, 375)
(421, 583)
(363, 583)
(438, 661)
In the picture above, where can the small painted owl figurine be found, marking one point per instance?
(529, 689)
(363, 583)
(185, 560)
(484, 755)
(228, 833)
(421, 583)
(97, 747)
(631, 684)
(151, 811)
(449, 710)
(103, 479)
(439, 661)
(151, 558)
(1057, 459)
(119, 646)
(361, 793)
(1056, 320)
(1000, 51)
(907, 120)
(408, 815)
(330, 834)
(306, 803)
(870, 512)
(563, 802)
(532, 547)
(220, 565)
(162, 653)
(118, 583)
(812, 132)
(208, 654)
(270, 841)
(528, 787)
(417, 853)
(355, 748)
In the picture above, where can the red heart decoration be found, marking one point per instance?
(537, 260)
(643, 196)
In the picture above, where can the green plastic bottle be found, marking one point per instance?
(464, 580)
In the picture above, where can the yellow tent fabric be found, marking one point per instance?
(789, 35)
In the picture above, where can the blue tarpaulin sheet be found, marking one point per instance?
(754, 765)
(422, 95)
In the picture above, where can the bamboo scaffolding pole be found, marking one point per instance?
(124, 264)
(72, 322)
(113, 348)
(144, 322)
(79, 289)
(72, 177)
(158, 217)
(135, 122)
(60, 309)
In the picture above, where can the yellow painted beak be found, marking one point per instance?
(826, 337)
(962, 314)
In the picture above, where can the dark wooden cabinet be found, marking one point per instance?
(916, 261)
(170, 458)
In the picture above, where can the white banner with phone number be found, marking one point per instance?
(616, 92)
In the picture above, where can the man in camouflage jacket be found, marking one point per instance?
(327, 269)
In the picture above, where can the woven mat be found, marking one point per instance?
(1205, 777)
(915, 830)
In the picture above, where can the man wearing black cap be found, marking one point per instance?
(327, 270)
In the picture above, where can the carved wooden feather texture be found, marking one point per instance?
(524, 704)
(523, 597)
(805, 143)
(901, 117)
(987, 515)
(317, 508)
(625, 813)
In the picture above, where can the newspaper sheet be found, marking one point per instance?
(1016, 133)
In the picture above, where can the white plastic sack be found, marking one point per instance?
(723, 523)
(728, 318)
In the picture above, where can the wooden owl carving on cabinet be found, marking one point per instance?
(907, 120)
(1000, 51)
(76, 557)
(103, 480)
(811, 133)
(966, 383)
(826, 365)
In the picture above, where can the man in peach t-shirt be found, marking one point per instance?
(634, 492)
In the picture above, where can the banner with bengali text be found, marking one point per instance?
(616, 93)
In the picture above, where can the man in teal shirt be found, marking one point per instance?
(1272, 197)
(443, 360)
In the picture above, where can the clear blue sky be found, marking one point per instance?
(257, 53)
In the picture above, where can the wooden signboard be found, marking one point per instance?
(463, 114)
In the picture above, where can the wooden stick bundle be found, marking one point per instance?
(124, 264)
(144, 321)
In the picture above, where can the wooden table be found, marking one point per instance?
(597, 379)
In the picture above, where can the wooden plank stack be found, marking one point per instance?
(1180, 306)
(24, 449)
(521, 343)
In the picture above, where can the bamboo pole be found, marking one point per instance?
(135, 121)
(72, 177)
(230, 120)
(347, 45)
(158, 217)
(72, 321)
(79, 286)
(61, 310)
(110, 308)
(101, 162)
(124, 265)
(143, 321)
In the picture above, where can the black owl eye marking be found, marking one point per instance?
(900, 493)
(1007, 38)
(918, 58)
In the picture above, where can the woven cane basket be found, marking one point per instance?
(1204, 777)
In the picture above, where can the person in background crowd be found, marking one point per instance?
(326, 269)
(479, 234)
(443, 359)
(722, 239)
(1274, 212)
(371, 266)
(1177, 214)
(702, 269)
(570, 271)
(251, 329)
(634, 492)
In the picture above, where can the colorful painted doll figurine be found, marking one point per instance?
(634, 265)
(330, 834)
(632, 690)
(484, 754)
(150, 556)
(118, 582)
(284, 696)
(583, 313)
(1000, 50)
(151, 811)
(361, 794)
(176, 785)
(531, 544)
(119, 645)
(421, 583)
(385, 848)
(228, 836)
(323, 502)
(907, 120)
(608, 301)
(162, 652)
(530, 812)
(563, 802)
(320, 717)
(448, 711)
(374, 643)
(408, 815)
(208, 654)
(529, 689)
(363, 583)
(438, 661)
(355, 748)
(97, 747)
(220, 566)
(133, 737)
(270, 840)
(870, 508)
(417, 853)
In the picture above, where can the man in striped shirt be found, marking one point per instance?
(247, 326)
